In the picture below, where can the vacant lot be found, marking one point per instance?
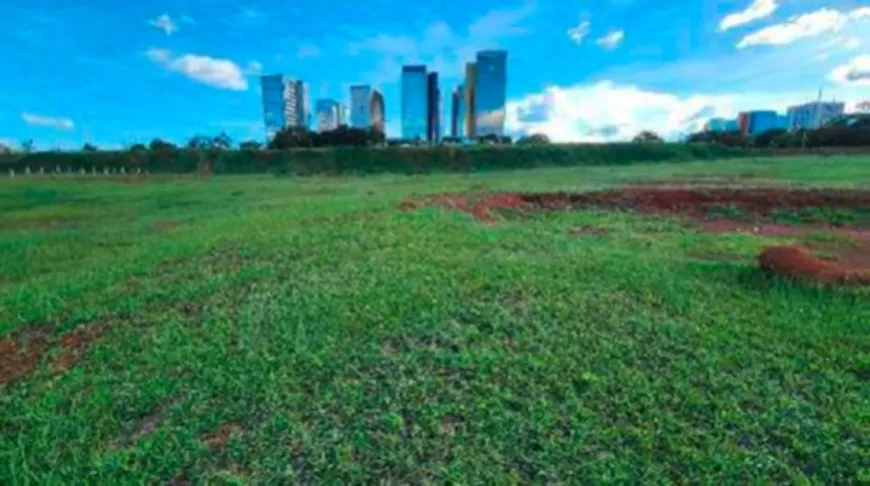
(258, 329)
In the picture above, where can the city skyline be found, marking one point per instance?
(618, 71)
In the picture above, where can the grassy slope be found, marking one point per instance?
(353, 342)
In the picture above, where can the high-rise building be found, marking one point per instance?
(810, 116)
(414, 102)
(454, 112)
(343, 114)
(433, 110)
(470, 88)
(285, 103)
(360, 106)
(378, 112)
(715, 125)
(328, 115)
(272, 87)
(490, 93)
(758, 122)
(460, 111)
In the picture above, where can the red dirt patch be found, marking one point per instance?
(695, 203)
(766, 229)
(20, 353)
(800, 263)
(75, 344)
(221, 437)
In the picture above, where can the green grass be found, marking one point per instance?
(350, 342)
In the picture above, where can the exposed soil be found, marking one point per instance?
(800, 263)
(770, 229)
(21, 352)
(716, 209)
(165, 226)
(695, 203)
(221, 437)
(75, 344)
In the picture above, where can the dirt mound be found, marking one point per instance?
(800, 263)
(21, 352)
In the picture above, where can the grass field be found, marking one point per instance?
(255, 329)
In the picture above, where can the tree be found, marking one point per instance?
(89, 147)
(200, 142)
(250, 145)
(222, 142)
(770, 138)
(27, 146)
(138, 147)
(534, 139)
(647, 136)
(158, 144)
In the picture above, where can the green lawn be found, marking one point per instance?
(266, 330)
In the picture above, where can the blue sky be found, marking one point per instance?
(115, 73)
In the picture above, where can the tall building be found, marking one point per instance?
(328, 115)
(454, 112)
(490, 93)
(460, 111)
(272, 87)
(470, 88)
(813, 115)
(433, 110)
(758, 122)
(285, 103)
(360, 106)
(378, 112)
(715, 125)
(415, 102)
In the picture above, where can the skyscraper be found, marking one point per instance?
(272, 87)
(378, 112)
(490, 93)
(414, 102)
(460, 111)
(328, 115)
(360, 106)
(433, 110)
(454, 112)
(470, 93)
(285, 103)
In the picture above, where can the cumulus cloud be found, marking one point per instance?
(612, 40)
(813, 24)
(855, 72)
(758, 9)
(218, 73)
(578, 33)
(61, 123)
(607, 111)
(165, 23)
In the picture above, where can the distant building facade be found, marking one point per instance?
(328, 115)
(810, 116)
(490, 93)
(758, 122)
(470, 93)
(433, 109)
(716, 125)
(285, 103)
(415, 102)
(378, 112)
(360, 106)
(460, 111)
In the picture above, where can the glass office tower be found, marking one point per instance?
(490, 93)
(414, 102)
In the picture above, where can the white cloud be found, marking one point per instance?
(813, 24)
(612, 40)
(218, 73)
(165, 23)
(852, 43)
(759, 9)
(305, 51)
(254, 68)
(61, 123)
(855, 72)
(578, 33)
(607, 111)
